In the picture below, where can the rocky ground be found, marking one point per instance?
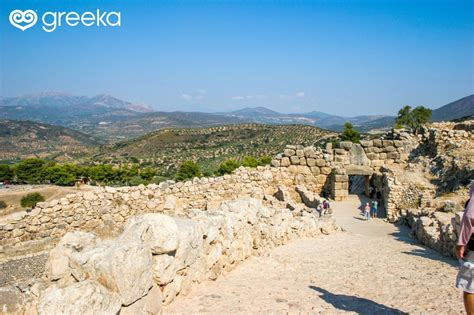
(372, 268)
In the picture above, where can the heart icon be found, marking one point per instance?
(23, 19)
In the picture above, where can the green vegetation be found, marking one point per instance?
(3, 204)
(31, 199)
(413, 118)
(350, 134)
(188, 170)
(228, 167)
(38, 171)
(6, 172)
(250, 161)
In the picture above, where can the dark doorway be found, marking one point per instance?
(358, 184)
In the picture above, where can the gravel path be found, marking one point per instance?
(371, 268)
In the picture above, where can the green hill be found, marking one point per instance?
(167, 148)
(23, 139)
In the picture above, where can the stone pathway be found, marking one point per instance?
(371, 268)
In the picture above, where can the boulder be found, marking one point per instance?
(158, 231)
(307, 196)
(57, 266)
(86, 297)
(150, 304)
(122, 266)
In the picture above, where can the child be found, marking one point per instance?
(367, 211)
(374, 208)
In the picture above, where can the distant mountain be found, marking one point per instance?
(102, 115)
(454, 110)
(22, 139)
(62, 100)
(255, 112)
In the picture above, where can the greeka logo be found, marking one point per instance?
(51, 21)
(23, 19)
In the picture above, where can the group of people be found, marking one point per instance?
(323, 207)
(370, 209)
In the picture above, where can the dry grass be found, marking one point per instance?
(13, 195)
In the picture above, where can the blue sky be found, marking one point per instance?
(340, 57)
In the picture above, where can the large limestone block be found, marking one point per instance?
(294, 160)
(158, 231)
(122, 266)
(285, 162)
(357, 155)
(57, 266)
(149, 304)
(189, 244)
(86, 297)
(307, 196)
(289, 152)
(164, 269)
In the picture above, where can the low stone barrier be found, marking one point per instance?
(158, 257)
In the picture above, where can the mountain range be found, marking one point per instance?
(112, 119)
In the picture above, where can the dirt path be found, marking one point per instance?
(372, 268)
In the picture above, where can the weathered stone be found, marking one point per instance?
(149, 304)
(311, 162)
(121, 266)
(285, 161)
(295, 160)
(158, 231)
(289, 152)
(86, 297)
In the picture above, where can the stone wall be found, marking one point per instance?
(158, 257)
(105, 211)
(331, 167)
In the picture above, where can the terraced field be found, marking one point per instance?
(167, 148)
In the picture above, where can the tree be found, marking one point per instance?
(227, 167)
(31, 199)
(60, 175)
(188, 170)
(30, 171)
(3, 204)
(6, 172)
(350, 134)
(413, 119)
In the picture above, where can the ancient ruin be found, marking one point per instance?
(128, 249)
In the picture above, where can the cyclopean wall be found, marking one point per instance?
(105, 211)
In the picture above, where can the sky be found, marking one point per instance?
(340, 57)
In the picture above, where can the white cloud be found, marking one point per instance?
(186, 97)
(299, 94)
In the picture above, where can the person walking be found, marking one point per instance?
(374, 208)
(465, 253)
(367, 211)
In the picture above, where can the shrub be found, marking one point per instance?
(31, 199)
(264, 160)
(249, 161)
(188, 170)
(227, 167)
(3, 204)
(350, 134)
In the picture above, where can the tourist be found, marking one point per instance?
(326, 206)
(374, 208)
(465, 252)
(367, 211)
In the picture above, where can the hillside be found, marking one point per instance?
(102, 116)
(454, 110)
(22, 139)
(167, 148)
